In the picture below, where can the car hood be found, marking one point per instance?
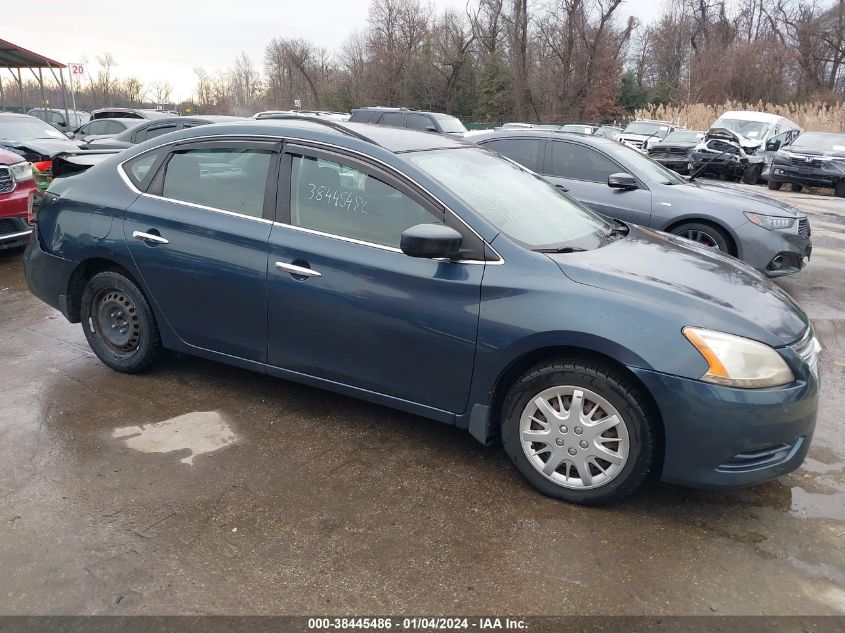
(685, 145)
(748, 144)
(816, 153)
(43, 147)
(688, 196)
(703, 287)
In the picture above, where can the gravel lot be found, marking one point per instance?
(254, 495)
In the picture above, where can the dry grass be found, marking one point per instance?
(816, 116)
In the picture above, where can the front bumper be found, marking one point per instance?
(48, 276)
(678, 164)
(727, 165)
(808, 176)
(774, 253)
(718, 436)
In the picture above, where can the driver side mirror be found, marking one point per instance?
(773, 146)
(622, 181)
(431, 241)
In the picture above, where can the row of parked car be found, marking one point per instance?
(441, 277)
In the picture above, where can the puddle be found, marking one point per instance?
(200, 432)
(818, 506)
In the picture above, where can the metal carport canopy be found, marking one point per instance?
(13, 56)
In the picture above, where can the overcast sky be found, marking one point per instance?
(167, 39)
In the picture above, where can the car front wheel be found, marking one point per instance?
(579, 431)
(119, 323)
(704, 234)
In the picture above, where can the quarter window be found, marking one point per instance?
(570, 160)
(232, 179)
(336, 199)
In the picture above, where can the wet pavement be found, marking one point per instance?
(199, 488)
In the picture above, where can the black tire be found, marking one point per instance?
(751, 175)
(839, 189)
(119, 323)
(774, 186)
(623, 394)
(796, 187)
(705, 234)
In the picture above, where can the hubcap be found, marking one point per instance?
(117, 321)
(574, 437)
(702, 237)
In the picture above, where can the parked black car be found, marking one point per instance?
(152, 129)
(412, 119)
(622, 183)
(815, 159)
(675, 150)
(132, 113)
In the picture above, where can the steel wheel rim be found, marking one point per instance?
(116, 319)
(574, 437)
(702, 237)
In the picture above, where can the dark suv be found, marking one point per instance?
(412, 119)
(814, 159)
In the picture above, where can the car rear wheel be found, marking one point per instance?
(704, 234)
(579, 431)
(796, 187)
(774, 186)
(751, 175)
(119, 323)
(839, 189)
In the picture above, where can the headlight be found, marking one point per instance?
(739, 362)
(770, 222)
(21, 171)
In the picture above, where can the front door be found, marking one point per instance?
(346, 305)
(198, 238)
(583, 172)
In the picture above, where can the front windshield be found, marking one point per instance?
(748, 129)
(821, 142)
(684, 137)
(647, 128)
(25, 129)
(449, 124)
(520, 204)
(641, 165)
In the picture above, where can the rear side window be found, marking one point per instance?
(570, 160)
(158, 130)
(232, 179)
(114, 127)
(342, 201)
(525, 151)
(393, 118)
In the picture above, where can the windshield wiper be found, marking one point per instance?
(563, 249)
(704, 165)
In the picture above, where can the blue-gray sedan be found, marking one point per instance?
(431, 275)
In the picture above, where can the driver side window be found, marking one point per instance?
(337, 199)
(571, 160)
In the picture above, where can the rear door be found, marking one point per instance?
(346, 305)
(198, 238)
(528, 152)
(583, 171)
(396, 119)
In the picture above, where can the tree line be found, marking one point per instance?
(532, 60)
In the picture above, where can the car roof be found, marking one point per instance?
(392, 139)
(535, 133)
(751, 115)
(16, 115)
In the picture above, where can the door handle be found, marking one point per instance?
(297, 270)
(150, 238)
(562, 188)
